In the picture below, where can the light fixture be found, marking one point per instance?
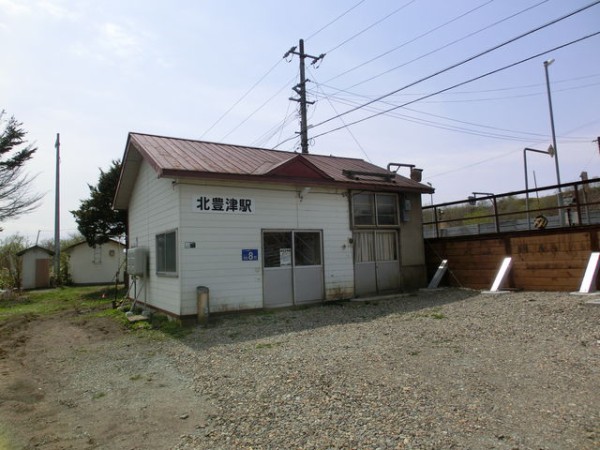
(303, 192)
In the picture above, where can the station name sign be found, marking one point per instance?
(223, 205)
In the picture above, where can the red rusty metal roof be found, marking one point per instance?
(186, 158)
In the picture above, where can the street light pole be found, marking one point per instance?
(473, 201)
(546, 64)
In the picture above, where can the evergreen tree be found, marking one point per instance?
(96, 219)
(16, 197)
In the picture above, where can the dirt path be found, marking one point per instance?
(69, 382)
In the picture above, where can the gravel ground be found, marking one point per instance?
(447, 369)
(435, 370)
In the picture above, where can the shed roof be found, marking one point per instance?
(35, 247)
(78, 243)
(185, 158)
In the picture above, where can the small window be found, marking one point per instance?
(370, 209)
(97, 258)
(362, 209)
(307, 248)
(277, 249)
(387, 209)
(166, 253)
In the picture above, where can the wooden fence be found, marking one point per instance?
(542, 260)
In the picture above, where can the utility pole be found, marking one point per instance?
(300, 89)
(57, 279)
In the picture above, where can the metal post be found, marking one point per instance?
(560, 215)
(526, 189)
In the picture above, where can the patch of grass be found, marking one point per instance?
(437, 315)
(170, 327)
(98, 395)
(135, 377)
(50, 301)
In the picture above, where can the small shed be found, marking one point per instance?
(35, 267)
(96, 265)
(265, 228)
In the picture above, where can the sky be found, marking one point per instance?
(94, 71)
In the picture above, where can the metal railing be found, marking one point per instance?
(565, 205)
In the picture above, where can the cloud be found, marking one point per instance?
(120, 41)
(14, 7)
(56, 10)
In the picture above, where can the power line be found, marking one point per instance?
(259, 108)
(335, 20)
(478, 163)
(377, 22)
(509, 97)
(464, 61)
(448, 44)
(456, 85)
(440, 125)
(410, 41)
(268, 135)
(272, 69)
(347, 129)
(241, 98)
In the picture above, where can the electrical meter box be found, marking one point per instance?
(137, 261)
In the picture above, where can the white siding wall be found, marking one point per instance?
(216, 260)
(154, 208)
(28, 266)
(85, 271)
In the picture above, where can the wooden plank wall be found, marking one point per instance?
(548, 260)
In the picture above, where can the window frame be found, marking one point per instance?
(164, 264)
(375, 211)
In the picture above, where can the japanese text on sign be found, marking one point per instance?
(225, 205)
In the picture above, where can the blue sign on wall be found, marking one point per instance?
(250, 254)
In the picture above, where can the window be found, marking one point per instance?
(97, 258)
(387, 209)
(362, 209)
(277, 249)
(279, 252)
(370, 209)
(166, 253)
(307, 248)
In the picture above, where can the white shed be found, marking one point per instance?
(96, 265)
(265, 228)
(35, 267)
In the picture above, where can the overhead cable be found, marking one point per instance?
(449, 44)
(377, 22)
(334, 20)
(470, 80)
(241, 98)
(286, 85)
(410, 41)
(464, 61)
(459, 84)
